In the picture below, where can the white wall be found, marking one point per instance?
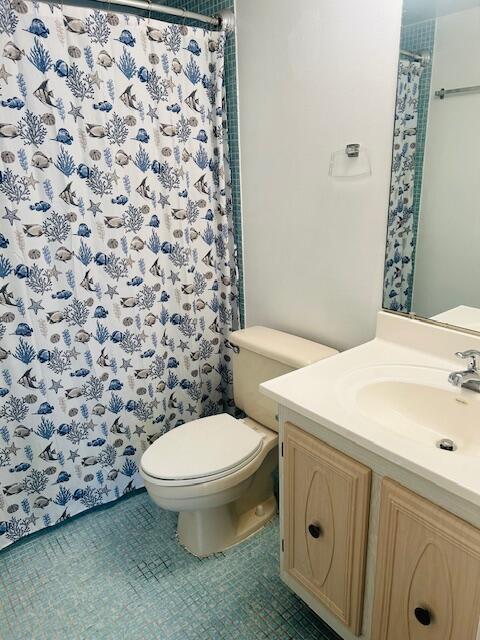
(447, 269)
(315, 75)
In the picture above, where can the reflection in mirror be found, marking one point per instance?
(433, 240)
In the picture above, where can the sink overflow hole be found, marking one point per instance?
(446, 445)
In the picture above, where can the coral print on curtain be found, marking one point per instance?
(401, 224)
(117, 277)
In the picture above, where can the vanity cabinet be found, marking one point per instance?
(326, 498)
(427, 583)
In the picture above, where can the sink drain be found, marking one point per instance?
(446, 445)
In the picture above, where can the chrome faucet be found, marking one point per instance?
(470, 378)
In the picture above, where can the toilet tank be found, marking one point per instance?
(263, 354)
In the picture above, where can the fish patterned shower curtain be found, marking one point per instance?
(401, 232)
(117, 270)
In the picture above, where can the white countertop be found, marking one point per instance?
(461, 316)
(317, 392)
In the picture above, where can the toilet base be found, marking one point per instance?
(216, 515)
(210, 531)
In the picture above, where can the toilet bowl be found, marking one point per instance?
(217, 471)
(226, 499)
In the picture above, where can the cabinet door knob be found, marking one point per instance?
(423, 616)
(315, 530)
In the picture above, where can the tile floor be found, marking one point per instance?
(118, 573)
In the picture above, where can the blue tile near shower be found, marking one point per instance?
(119, 573)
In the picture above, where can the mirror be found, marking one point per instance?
(432, 265)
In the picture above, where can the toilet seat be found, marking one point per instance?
(201, 451)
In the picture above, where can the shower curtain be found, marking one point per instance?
(401, 231)
(117, 275)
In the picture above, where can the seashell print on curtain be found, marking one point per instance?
(117, 275)
(400, 252)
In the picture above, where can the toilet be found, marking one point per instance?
(217, 471)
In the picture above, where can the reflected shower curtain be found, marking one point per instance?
(117, 275)
(401, 223)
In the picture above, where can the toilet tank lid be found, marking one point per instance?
(282, 347)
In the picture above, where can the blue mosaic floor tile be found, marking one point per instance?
(118, 573)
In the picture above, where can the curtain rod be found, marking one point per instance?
(423, 57)
(225, 18)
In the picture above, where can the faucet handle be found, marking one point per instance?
(470, 354)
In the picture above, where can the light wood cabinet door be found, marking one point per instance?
(326, 498)
(428, 571)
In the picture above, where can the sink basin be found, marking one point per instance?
(417, 403)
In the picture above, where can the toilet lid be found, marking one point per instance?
(203, 448)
